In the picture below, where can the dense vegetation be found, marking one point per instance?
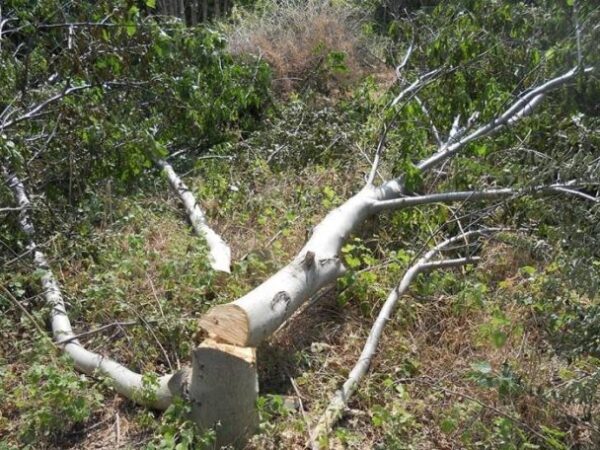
(272, 116)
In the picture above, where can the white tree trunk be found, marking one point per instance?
(219, 252)
(255, 316)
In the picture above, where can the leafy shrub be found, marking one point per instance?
(157, 88)
(178, 432)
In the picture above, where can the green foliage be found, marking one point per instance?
(519, 333)
(271, 406)
(361, 285)
(395, 422)
(53, 399)
(156, 87)
(178, 432)
(506, 382)
(306, 130)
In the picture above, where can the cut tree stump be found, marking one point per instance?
(223, 391)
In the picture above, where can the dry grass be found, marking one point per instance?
(298, 37)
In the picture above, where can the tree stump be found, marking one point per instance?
(223, 391)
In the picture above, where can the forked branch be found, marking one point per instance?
(125, 381)
(339, 401)
(523, 106)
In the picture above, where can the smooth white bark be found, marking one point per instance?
(255, 316)
(487, 194)
(252, 318)
(219, 251)
(125, 381)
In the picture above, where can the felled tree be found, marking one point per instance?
(237, 327)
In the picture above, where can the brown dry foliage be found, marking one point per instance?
(296, 39)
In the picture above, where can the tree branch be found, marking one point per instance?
(126, 382)
(489, 194)
(521, 107)
(219, 251)
(37, 109)
(339, 401)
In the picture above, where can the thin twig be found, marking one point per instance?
(34, 322)
(303, 412)
(103, 328)
(10, 209)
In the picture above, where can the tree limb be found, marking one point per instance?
(339, 401)
(126, 382)
(219, 251)
(37, 109)
(521, 107)
(489, 194)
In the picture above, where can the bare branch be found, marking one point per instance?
(404, 60)
(489, 194)
(338, 403)
(219, 251)
(521, 107)
(406, 95)
(103, 328)
(434, 130)
(10, 209)
(126, 382)
(377, 157)
(455, 262)
(415, 86)
(37, 109)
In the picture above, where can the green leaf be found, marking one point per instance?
(151, 3)
(131, 28)
(528, 270)
(483, 367)
(480, 150)
(498, 338)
